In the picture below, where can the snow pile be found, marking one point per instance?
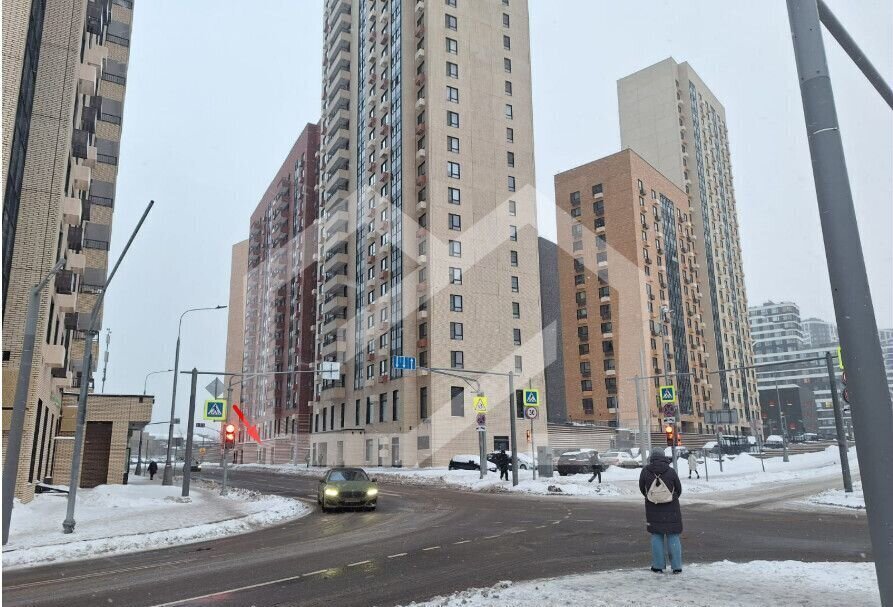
(840, 499)
(722, 584)
(116, 519)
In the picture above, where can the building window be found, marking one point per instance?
(455, 303)
(423, 403)
(457, 359)
(452, 46)
(582, 313)
(455, 222)
(597, 189)
(583, 333)
(511, 184)
(454, 196)
(455, 276)
(457, 401)
(513, 233)
(457, 331)
(452, 94)
(453, 119)
(451, 22)
(516, 336)
(609, 364)
(508, 88)
(585, 368)
(452, 70)
(505, 20)
(507, 43)
(451, 3)
(455, 248)
(598, 207)
(510, 159)
(516, 309)
(382, 406)
(513, 258)
(513, 208)
(608, 347)
(453, 170)
(583, 349)
(515, 287)
(507, 65)
(510, 134)
(453, 144)
(587, 406)
(586, 385)
(611, 401)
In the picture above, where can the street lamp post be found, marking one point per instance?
(168, 477)
(139, 450)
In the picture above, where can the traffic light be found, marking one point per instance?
(229, 436)
(668, 430)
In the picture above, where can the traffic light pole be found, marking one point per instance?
(841, 431)
(224, 466)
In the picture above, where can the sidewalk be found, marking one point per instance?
(722, 584)
(143, 515)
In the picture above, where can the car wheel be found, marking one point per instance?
(451, 467)
(523, 467)
(560, 473)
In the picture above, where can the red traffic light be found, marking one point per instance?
(230, 429)
(668, 430)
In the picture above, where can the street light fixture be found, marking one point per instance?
(168, 477)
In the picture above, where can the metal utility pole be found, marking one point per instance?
(190, 424)
(23, 382)
(86, 370)
(841, 431)
(482, 449)
(168, 476)
(513, 413)
(105, 360)
(644, 416)
(781, 422)
(853, 307)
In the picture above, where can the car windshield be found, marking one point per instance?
(347, 475)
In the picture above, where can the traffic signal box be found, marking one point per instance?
(229, 436)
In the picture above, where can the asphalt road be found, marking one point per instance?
(422, 542)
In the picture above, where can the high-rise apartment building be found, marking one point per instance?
(553, 338)
(428, 239)
(235, 322)
(630, 305)
(64, 81)
(818, 332)
(776, 327)
(280, 305)
(670, 117)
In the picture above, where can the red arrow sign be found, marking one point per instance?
(252, 430)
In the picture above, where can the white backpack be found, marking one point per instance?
(658, 492)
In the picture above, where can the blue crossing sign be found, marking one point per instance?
(404, 362)
(531, 398)
(215, 410)
(668, 394)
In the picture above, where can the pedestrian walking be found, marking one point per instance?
(660, 485)
(502, 462)
(693, 464)
(597, 467)
(153, 468)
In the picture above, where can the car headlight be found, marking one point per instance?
(331, 492)
(372, 492)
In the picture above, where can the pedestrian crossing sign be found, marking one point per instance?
(668, 394)
(215, 410)
(531, 397)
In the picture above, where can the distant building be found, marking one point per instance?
(630, 303)
(797, 406)
(553, 352)
(776, 327)
(819, 333)
(235, 323)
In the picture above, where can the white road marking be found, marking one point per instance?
(360, 563)
(555, 522)
(518, 531)
(391, 494)
(430, 548)
(239, 589)
(398, 555)
(462, 542)
(585, 520)
(490, 537)
(542, 526)
(314, 573)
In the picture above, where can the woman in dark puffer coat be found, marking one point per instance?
(664, 520)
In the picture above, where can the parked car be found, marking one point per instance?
(525, 462)
(347, 488)
(465, 462)
(773, 441)
(575, 462)
(811, 437)
(196, 466)
(621, 459)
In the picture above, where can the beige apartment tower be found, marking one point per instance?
(428, 238)
(64, 81)
(630, 303)
(670, 117)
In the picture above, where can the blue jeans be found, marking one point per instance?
(658, 557)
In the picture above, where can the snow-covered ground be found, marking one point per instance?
(840, 499)
(722, 584)
(143, 515)
(739, 473)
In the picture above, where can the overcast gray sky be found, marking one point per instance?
(219, 90)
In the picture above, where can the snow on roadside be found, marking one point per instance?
(721, 584)
(840, 499)
(117, 519)
(741, 472)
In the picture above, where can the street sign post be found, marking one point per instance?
(531, 413)
(481, 420)
(531, 397)
(330, 370)
(668, 394)
(215, 388)
(406, 363)
(215, 410)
